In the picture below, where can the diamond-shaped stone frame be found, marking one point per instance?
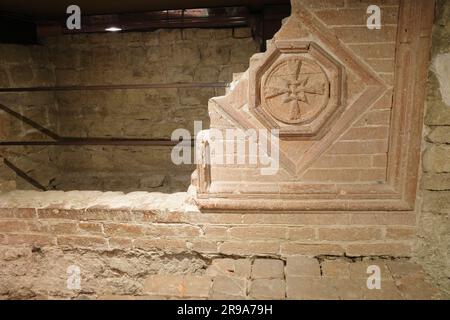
(398, 193)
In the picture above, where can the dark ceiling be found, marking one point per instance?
(57, 8)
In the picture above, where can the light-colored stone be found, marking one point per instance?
(267, 269)
(229, 286)
(302, 266)
(268, 289)
(335, 268)
(230, 267)
(178, 286)
(310, 288)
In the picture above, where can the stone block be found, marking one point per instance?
(183, 286)
(230, 267)
(302, 266)
(268, 289)
(310, 288)
(268, 269)
(230, 286)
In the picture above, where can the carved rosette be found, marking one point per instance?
(297, 88)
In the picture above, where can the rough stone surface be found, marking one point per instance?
(433, 233)
(27, 66)
(160, 57)
(142, 246)
(267, 269)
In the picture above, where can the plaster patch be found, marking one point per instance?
(441, 67)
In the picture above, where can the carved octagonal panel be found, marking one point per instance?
(298, 89)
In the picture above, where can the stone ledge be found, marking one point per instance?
(78, 200)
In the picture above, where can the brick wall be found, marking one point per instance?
(146, 245)
(365, 144)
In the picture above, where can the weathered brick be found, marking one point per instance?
(379, 161)
(307, 288)
(418, 289)
(379, 50)
(358, 147)
(299, 248)
(120, 243)
(23, 213)
(350, 234)
(178, 285)
(124, 230)
(343, 161)
(364, 35)
(344, 175)
(347, 289)
(388, 291)
(230, 267)
(204, 246)
(297, 219)
(358, 270)
(218, 218)
(359, 133)
(302, 266)
(382, 65)
(29, 239)
(267, 269)
(13, 226)
(354, 16)
(335, 268)
(266, 289)
(82, 242)
(400, 269)
(91, 227)
(381, 219)
(379, 249)
(400, 233)
(98, 213)
(249, 248)
(178, 231)
(388, 78)
(301, 233)
(258, 233)
(63, 228)
(168, 245)
(375, 118)
(215, 232)
(88, 214)
(229, 286)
